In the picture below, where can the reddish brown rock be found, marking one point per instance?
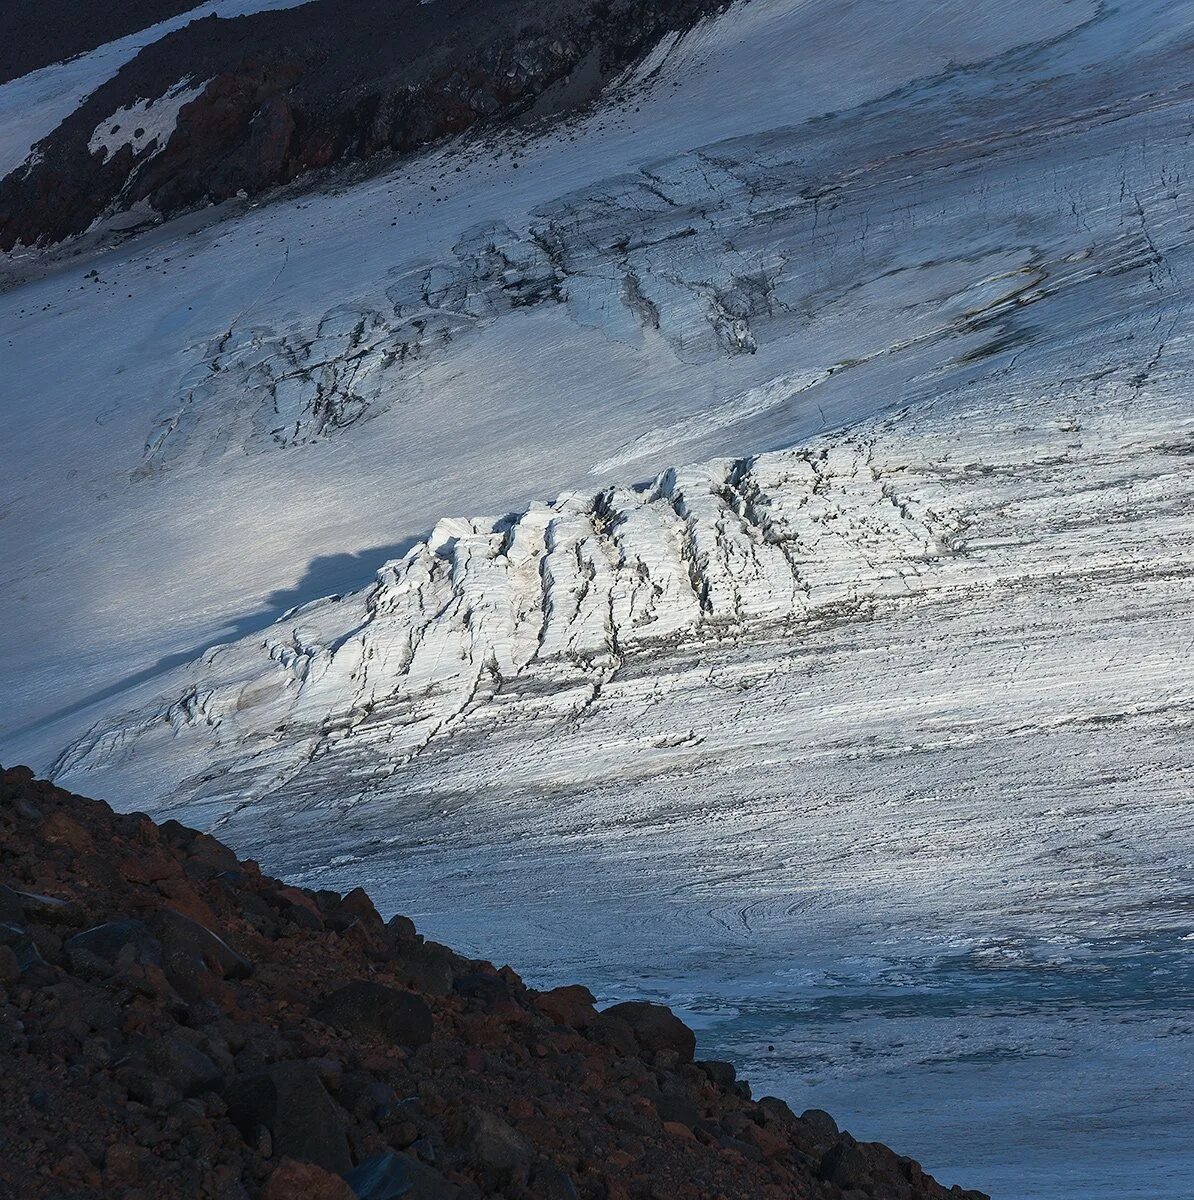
(284, 1041)
(573, 1005)
(305, 1181)
(655, 1027)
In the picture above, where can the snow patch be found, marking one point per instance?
(145, 125)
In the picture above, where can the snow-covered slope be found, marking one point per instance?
(284, 370)
(850, 674)
(533, 620)
(872, 753)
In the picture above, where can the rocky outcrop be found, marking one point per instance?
(272, 95)
(173, 1022)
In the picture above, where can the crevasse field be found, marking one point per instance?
(733, 547)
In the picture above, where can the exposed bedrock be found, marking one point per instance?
(268, 96)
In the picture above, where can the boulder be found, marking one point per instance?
(293, 1180)
(675, 1105)
(721, 1074)
(819, 1126)
(367, 1097)
(10, 966)
(366, 1007)
(393, 1176)
(656, 1028)
(187, 945)
(289, 1100)
(846, 1164)
(183, 1066)
(359, 907)
(573, 1006)
(549, 1182)
(487, 990)
(22, 946)
(402, 929)
(120, 943)
(12, 911)
(424, 967)
(206, 857)
(503, 1154)
(776, 1111)
(49, 909)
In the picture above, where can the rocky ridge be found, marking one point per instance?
(224, 107)
(175, 1023)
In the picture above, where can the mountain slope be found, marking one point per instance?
(307, 1043)
(333, 367)
(841, 698)
(221, 107)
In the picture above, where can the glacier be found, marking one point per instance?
(823, 662)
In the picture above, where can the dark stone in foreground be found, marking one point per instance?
(290, 1101)
(655, 1028)
(394, 1176)
(372, 1008)
(173, 1023)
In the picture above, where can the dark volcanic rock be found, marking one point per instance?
(820, 1125)
(504, 1155)
(123, 942)
(183, 1066)
(35, 33)
(655, 1027)
(290, 1101)
(188, 946)
(366, 1007)
(288, 91)
(24, 949)
(153, 1054)
(548, 1182)
(392, 1176)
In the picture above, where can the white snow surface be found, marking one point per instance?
(864, 737)
(145, 123)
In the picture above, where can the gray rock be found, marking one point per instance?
(50, 909)
(402, 929)
(373, 1008)
(21, 944)
(846, 1165)
(288, 1100)
(187, 944)
(120, 943)
(722, 1074)
(424, 968)
(776, 1111)
(673, 1104)
(10, 966)
(12, 911)
(488, 990)
(365, 1096)
(183, 1066)
(820, 1126)
(503, 1154)
(394, 1176)
(549, 1182)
